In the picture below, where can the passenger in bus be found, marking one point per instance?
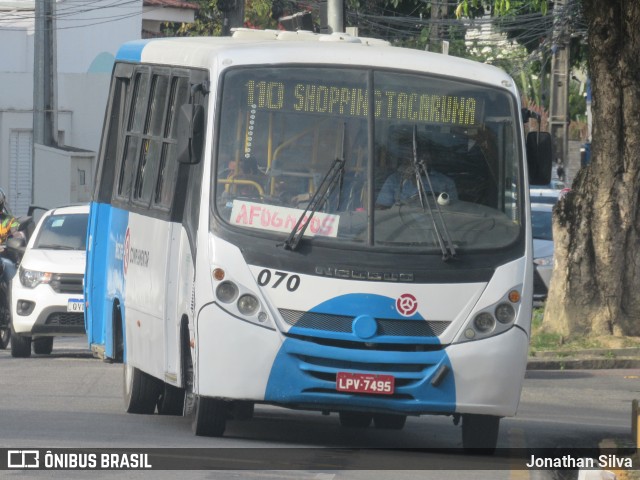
(250, 180)
(401, 186)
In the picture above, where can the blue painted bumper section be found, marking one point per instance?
(304, 374)
(304, 371)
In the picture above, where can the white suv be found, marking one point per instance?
(47, 292)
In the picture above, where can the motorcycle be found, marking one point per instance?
(13, 249)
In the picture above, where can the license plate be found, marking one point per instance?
(365, 383)
(75, 305)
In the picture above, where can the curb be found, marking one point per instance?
(591, 359)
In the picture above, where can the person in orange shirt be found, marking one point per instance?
(8, 225)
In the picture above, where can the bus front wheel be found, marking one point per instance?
(141, 391)
(210, 417)
(389, 421)
(355, 419)
(480, 433)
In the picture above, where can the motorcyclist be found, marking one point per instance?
(8, 225)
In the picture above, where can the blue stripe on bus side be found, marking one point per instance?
(303, 372)
(132, 51)
(104, 280)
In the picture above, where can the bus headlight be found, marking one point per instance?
(505, 313)
(493, 319)
(248, 305)
(227, 292)
(484, 322)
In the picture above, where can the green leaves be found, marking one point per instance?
(470, 8)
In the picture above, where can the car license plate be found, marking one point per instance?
(365, 383)
(75, 305)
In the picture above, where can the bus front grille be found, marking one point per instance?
(344, 324)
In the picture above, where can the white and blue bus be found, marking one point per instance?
(317, 222)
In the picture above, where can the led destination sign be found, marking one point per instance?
(390, 104)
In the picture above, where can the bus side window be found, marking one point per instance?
(152, 139)
(168, 168)
(133, 129)
(106, 172)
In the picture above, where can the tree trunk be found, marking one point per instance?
(595, 287)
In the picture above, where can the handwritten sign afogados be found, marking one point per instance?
(281, 219)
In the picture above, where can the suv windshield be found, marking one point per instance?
(63, 232)
(421, 158)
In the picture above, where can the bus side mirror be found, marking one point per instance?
(190, 133)
(539, 157)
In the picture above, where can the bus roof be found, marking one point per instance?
(252, 47)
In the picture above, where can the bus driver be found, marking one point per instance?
(401, 185)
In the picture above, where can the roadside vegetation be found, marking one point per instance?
(545, 340)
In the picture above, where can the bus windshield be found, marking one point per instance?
(422, 159)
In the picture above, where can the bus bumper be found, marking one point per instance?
(483, 377)
(253, 363)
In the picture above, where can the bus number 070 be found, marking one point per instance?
(292, 281)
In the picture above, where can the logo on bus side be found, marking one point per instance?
(406, 304)
(133, 255)
(125, 258)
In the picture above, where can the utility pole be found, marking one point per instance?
(45, 71)
(559, 100)
(233, 15)
(335, 16)
(438, 12)
(236, 15)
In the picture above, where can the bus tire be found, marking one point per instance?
(43, 345)
(389, 421)
(171, 400)
(118, 337)
(210, 417)
(242, 410)
(355, 419)
(141, 391)
(20, 346)
(480, 433)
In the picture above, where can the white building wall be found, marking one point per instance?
(85, 31)
(85, 94)
(88, 37)
(90, 31)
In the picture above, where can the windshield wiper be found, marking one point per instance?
(333, 175)
(420, 170)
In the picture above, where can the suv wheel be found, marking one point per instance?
(20, 346)
(43, 345)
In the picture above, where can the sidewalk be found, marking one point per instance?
(585, 359)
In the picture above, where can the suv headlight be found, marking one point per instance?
(33, 278)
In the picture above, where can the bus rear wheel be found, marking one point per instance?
(355, 419)
(480, 433)
(171, 400)
(210, 417)
(141, 391)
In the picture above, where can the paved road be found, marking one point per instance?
(71, 400)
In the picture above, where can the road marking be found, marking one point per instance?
(517, 441)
